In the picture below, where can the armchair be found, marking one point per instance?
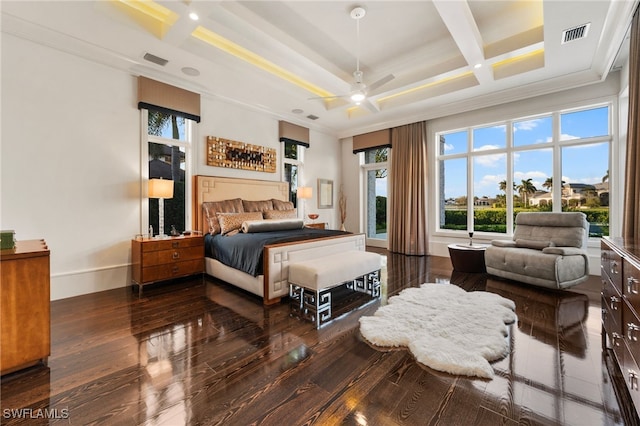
(547, 250)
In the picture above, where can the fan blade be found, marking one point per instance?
(370, 105)
(382, 81)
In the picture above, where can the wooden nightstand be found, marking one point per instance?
(315, 225)
(160, 260)
(25, 305)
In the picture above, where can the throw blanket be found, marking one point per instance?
(244, 251)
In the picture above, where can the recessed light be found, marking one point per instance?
(194, 16)
(478, 65)
(191, 71)
(297, 111)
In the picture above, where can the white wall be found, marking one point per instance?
(70, 163)
(70, 160)
(235, 122)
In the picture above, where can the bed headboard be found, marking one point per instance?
(213, 188)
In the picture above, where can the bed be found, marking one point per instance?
(272, 283)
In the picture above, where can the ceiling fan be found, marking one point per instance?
(360, 90)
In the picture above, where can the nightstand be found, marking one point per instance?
(164, 259)
(315, 225)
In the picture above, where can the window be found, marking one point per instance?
(552, 162)
(168, 152)
(292, 167)
(376, 185)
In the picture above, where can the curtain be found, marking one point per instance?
(408, 194)
(631, 211)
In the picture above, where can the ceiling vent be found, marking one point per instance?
(312, 117)
(575, 33)
(155, 59)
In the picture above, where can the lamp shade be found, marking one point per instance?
(160, 188)
(304, 192)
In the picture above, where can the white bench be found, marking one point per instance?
(310, 281)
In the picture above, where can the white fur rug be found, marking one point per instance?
(445, 327)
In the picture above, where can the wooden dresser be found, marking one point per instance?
(159, 260)
(25, 305)
(620, 270)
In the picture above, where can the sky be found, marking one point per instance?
(580, 164)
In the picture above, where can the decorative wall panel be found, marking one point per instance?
(239, 155)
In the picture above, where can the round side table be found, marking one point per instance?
(466, 258)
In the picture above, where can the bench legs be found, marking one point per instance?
(316, 306)
(369, 284)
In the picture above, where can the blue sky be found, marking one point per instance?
(580, 164)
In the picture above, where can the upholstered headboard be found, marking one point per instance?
(212, 188)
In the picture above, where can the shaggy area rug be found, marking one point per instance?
(444, 327)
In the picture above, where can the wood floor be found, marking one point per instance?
(200, 352)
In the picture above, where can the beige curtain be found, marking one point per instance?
(631, 213)
(408, 195)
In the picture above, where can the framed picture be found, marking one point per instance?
(325, 194)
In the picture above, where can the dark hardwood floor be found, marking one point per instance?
(202, 352)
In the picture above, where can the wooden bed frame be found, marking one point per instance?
(274, 283)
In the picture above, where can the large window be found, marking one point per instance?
(376, 187)
(553, 162)
(168, 151)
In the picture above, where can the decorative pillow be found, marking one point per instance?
(282, 205)
(210, 208)
(257, 206)
(268, 225)
(233, 221)
(533, 244)
(280, 214)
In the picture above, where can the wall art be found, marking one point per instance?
(239, 155)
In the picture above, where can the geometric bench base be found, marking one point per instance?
(310, 282)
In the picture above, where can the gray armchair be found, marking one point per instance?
(547, 250)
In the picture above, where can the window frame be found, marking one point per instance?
(187, 144)
(555, 144)
(365, 168)
(299, 163)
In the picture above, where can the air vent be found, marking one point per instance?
(155, 59)
(575, 33)
(312, 117)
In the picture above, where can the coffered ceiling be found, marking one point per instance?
(282, 57)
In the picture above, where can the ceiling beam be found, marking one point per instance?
(458, 19)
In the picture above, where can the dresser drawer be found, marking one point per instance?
(168, 271)
(172, 244)
(631, 329)
(612, 302)
(631, 283)
(611, 265)
(631, 374)
(153, 258)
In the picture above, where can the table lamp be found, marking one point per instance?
(160, 189)
(304, 193)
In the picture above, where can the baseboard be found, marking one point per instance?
(76, 283)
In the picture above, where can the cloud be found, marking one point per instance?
(490, 160)
(448, 147)
(526, 125)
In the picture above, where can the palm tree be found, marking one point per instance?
(548, 184)
(526, 188)
(605, 177)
